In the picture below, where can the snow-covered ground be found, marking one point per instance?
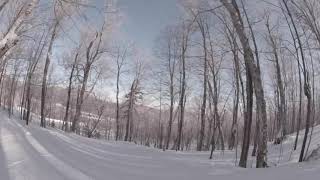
(33, 153)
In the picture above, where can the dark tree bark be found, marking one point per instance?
(118, 106)
(45, 75)
(182, 98)
(201, 25)
(13, 87)
(66, 116)
(34, 59)
(129, 123)
(281, 126)
(100, 112)
(237, 75)
(121, 56)
(4, 3)
(92, 55)
(253, 73)
(307, 90)
(299, 75)
(2, 78)
(256, 53)
(132, 98)
(171, 69)
(214, 93)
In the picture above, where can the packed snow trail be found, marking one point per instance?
(34, 153)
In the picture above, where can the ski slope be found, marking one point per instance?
(34, 153)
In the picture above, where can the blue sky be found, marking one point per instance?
(142, 22)
(144, 19)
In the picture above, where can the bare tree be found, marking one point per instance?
(3, 4)
(32, 65)
(202, 24)
(214, 94)
(121, 55)
(100, 108)
(230, 36)
(45, 73)
(11, 37)
(4, 65)
(185, 35)
(256, 52)
(234, 12)
(13, 84)
(297, 57)
(132, 97)
(282, 106)
(167, 50)
(307, 91)
(71, 79)
(94, 50)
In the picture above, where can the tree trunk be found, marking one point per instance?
(66, 116)
(2, 78)
(11, 38)
(3, 4)
(235, 103)
(182, 99)
(281, 133)
(118, 107)
(256, 52)
(45, 75)
(307, 91)
(170, 109)
(12, 92)
(237, 76)
(204, 96)
(129, 124)
(247, 121)
(256, 78)
(80, 98)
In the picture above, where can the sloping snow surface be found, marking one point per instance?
(34, 153)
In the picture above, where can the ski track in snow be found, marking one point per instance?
(14, 152)
(34, 153)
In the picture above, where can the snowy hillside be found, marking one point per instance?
(34, 153)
